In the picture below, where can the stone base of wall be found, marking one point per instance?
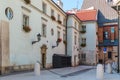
(49, 65)
(10, 69)
(73, 64)
(19, 68)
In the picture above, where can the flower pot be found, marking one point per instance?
(27, 1)
(53, 18)
(59, 21)
(26, 28)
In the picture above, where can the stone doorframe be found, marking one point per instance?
(4, 47)
(43, 55)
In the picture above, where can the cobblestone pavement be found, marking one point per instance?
(70, 73)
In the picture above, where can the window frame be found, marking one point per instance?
(58, 34)
(44, 7)
(83, 57)
(44, 27)
(52, 12)
(26, 20)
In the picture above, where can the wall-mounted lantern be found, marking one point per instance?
(38, 38)
(57, 43)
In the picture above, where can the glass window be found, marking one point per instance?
(52, 32)
(109, 0)
(44, 6)
(58, 17)
(84, 28)
(83, 57)
(112, 29)
(58, 34)
(64, 21)
(64, 37)
(52, 12)
(75, 25)
(105, 35)
(75, 38)
(25, 20)
(84, 40)
(43, 30)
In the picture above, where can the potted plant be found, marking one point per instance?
(83, 31)
(27, 1)
(83, 44)
(26, 28)
(59, 21)
(53, 17)
(65, 42)
(59, 40)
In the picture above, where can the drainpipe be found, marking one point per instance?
(66, 34)
(118, 38)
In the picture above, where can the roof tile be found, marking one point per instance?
(87, 15)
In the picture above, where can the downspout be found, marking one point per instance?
(66, 35)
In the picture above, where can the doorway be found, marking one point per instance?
(43, 60)
(43, 55)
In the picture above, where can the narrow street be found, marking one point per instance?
(70, 73)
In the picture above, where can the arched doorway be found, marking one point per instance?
(43, 55)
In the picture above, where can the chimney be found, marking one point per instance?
(60, 3)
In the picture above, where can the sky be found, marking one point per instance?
(69, 4)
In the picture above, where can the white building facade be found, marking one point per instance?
(73, 37)
(88, 43)
(31, 31)
(88, 36)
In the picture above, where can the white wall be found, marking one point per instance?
(21, 49)
(91, 42)
(72, 48)
(90, 35)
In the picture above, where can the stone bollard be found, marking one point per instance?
(109, 68)
(100, 72)
(37, 69)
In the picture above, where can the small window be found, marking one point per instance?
(75, 38)
(64, 37)
(109, 55)
(52, 32)
(83, 40)
(58, 17)
(43, 30)
(25, 20)
(83, 28)
(75, 25)
(52, 12)
(58, 34)
(105, 35)
(83, 57)
(9, 13)
(44, 6)
(109, 0)
(112, 29)
(64, 21)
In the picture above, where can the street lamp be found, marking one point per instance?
(38, 38)
(117, 8)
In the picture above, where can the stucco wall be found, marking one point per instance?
(22, 52)
(91, 42)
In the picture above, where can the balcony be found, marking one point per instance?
(108, 43)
